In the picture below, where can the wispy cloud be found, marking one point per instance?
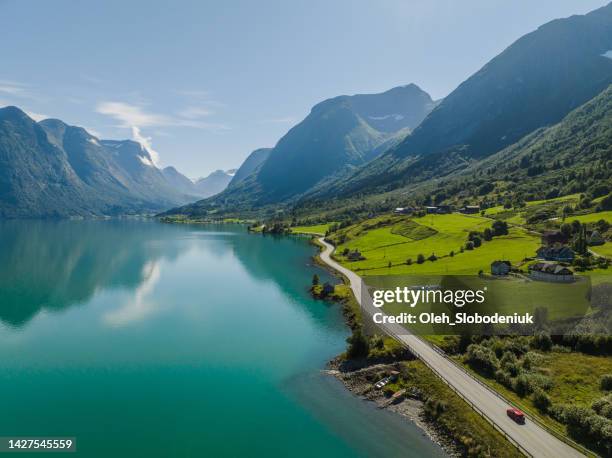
(281, 120)
(135, 115)
(15, 89)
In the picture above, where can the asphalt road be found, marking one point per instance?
(533, 439)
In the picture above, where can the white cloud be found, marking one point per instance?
(36, 116)
(132, 115)
(146, 143)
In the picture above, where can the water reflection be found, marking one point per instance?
(52, 265)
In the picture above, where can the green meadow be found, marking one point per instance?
(317, 229)
(387, 243)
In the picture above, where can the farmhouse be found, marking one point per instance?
(552, 272)
(500, 267)
(431, 210)
(403, 210)
(470, 209)
(444, 209)
(551, 238)
(556, 253)
(355, 256)
(596, 239)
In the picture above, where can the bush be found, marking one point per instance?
(469, 245)
(603, 406)
(499, 228)
(606, 382)
(522, 385)
(541, 400)
(420, 259)
(433, 257)
(434, 408)
(359, 346)
(482, 359)
(542, 341)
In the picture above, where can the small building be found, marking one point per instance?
(328, 289)
(444, 209)
(431, 210)
(470, 209)
(551, 272)
(596, 239)
(558, 253)
(403, 210)
(551, 238)
(355, 255)
(500, 267)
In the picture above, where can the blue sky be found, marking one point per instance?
(204, 83)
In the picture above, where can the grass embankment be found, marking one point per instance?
(452, 415)
(391, 245)
(316, 229)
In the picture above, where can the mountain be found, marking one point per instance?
(532, 84)
(214, 183)
(338, 135)
(570, 157)
(51, 169)
(179, 181)
(254, 160)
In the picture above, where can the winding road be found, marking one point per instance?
(532, 439)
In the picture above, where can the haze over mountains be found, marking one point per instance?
(51, 169)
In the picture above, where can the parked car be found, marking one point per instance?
(383, 382)
(516, 415)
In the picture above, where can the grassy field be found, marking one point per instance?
(394, 240)
(603, 250)
(317, 229)
(592, 217)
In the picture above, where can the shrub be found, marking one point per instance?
(542, 341)
(359, 346)
(541, 400)
(522, 385)
(603, 406)
(499, 227)
(606, 382)
(433, 257)
(420, 259)
(315, 280)
(434, 408)
(469, 245)
(409, 261)
(482, 359)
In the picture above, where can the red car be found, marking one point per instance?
(516, 415)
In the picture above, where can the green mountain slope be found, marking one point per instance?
(532, 84)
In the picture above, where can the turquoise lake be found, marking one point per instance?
(145, 339)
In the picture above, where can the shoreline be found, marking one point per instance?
(409, 408)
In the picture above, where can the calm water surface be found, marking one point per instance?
(144, 339)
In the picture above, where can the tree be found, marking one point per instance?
(409, 261)
(499, 228)
(420, 259)
(469, 245)
(487, 234)
(359, 346)
(315, 280)
(477, 242)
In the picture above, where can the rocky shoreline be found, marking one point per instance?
(360, 379)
